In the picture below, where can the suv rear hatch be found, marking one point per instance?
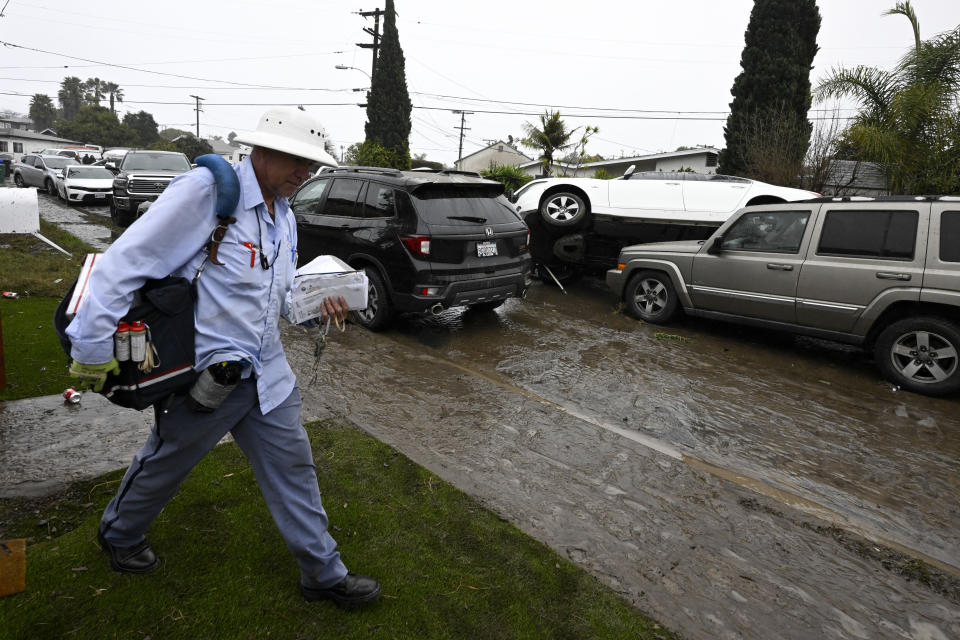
(471, 228)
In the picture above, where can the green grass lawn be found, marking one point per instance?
(40, 275)
(449, 567)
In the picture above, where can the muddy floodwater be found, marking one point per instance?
(733, 483)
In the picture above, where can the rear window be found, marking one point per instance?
(462, 206)
(890, 235)
(950, 236)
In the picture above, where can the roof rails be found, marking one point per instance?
(378, 170)
(449, 172)
(924, 198)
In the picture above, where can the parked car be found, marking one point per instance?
(584, 222)
(84, 184)
(882, 273)
(40, 171)
(427, 241)
(141, 177)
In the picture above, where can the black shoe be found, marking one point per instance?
(352, 592)
(139, 558)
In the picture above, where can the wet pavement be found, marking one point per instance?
(730, 482)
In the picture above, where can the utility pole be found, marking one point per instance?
(463, 117)
(198, 110)
(375, 32)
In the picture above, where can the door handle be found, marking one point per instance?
(672, 184)
(779, 267)
(886, 275)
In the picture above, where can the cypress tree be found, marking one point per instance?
(388, 105)
(772, 93)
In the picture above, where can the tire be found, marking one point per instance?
(486, 307)
(650, 297)
(564, 209)
(51, 188)
(120, 217)
(921, 354)
(379, 312)
(18, 180)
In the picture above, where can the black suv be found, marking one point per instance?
(427, 240)
(142, 177)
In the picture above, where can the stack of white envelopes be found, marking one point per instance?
(323, 277)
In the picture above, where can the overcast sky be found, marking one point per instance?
(662, 70)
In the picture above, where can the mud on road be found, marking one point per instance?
(730, 482)
(733, 484)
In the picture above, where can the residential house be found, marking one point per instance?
(499, 153)
(853, 178)
(16, 122)
(21, 141)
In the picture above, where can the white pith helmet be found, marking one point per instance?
(292, 131)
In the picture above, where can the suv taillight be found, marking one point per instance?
(418, 245)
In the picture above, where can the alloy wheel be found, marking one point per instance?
(924, 357)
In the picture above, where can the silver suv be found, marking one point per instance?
(883, 273)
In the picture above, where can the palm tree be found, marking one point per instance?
(42, 112)
(114, 92)
(95, 90)
(908, 116)
(551, 136)
(70, 96)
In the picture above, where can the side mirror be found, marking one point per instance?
(716, 246)
(111, 166)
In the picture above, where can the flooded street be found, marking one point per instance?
(730, 482)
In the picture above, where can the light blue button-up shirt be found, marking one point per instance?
(238, 303)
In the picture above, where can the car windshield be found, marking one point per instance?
(58, 162)
(155, 161)
(89, 172)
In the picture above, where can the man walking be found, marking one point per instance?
(241, 293)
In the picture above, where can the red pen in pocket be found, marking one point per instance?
(253, 252)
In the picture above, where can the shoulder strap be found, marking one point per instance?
(228, 195)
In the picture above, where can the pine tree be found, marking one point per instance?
(388, 104)
(771, 96)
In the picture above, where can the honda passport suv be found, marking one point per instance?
(882, 273)
(141, 177)
(427, 240)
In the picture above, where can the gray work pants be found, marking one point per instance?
(278, 449)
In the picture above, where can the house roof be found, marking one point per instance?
(863, 175)
(31, 135)
(219, 146)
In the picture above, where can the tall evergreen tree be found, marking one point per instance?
(42, 111)
(70, 97)
(771, 96)
(388, 104)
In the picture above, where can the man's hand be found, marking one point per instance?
(92, 376)
(335, 308)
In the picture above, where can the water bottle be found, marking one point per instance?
(214, 384)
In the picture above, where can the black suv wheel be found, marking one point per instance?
(650, 297)
(379, 312)
(921, 355)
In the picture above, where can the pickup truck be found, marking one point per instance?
(141, 177)
(40, 171)
(881, 273)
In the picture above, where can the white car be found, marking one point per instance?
(85, 184)
(654, 195)
(586, 221)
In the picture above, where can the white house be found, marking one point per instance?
(21, 141)
(499, 153)
(699, 160)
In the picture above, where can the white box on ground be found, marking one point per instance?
(80, 289)
(323, 277)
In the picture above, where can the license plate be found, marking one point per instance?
(99, 195)
(486, 249)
